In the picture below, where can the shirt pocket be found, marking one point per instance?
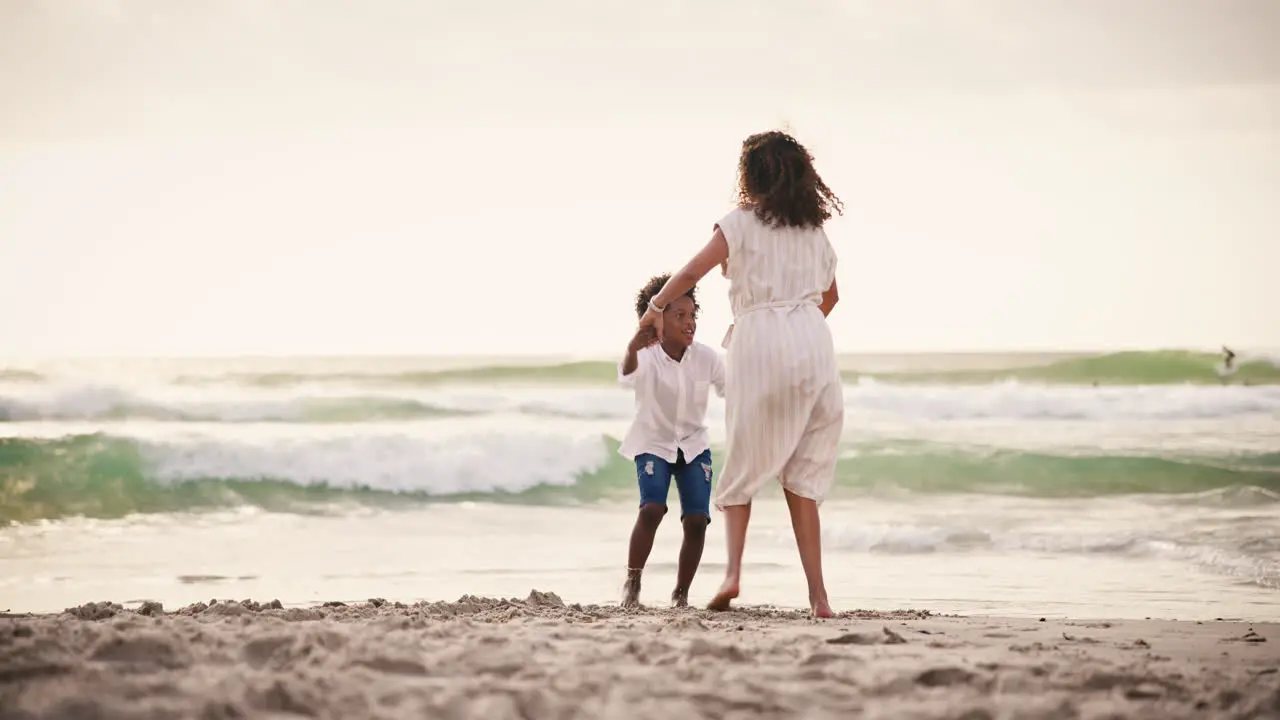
(700, 390)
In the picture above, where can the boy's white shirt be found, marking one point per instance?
(671, 401)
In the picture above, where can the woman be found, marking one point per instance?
(784, 405)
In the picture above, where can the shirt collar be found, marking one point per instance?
(657, 347)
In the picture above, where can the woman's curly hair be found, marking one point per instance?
(776, 180)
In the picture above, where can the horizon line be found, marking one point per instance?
(572, 356)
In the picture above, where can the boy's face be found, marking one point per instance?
(679, 322)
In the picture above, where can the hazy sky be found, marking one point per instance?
(258, 176)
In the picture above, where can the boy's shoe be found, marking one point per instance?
(680, 598)
(631, 588)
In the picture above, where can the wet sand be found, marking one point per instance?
(539, 657)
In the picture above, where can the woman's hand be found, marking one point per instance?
(653, 319)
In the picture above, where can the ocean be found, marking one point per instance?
(1137, 484)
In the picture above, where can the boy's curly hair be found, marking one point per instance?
(776, 179)
(653, 287)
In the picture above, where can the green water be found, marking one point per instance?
(104, 476)
(1122, 368)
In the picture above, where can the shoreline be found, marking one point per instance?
(348, 609)
(540, 657)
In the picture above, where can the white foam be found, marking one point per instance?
(908, 538)
(1000, 401)
(395, 462)
(1016, 401)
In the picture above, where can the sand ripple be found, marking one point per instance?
(539, 657)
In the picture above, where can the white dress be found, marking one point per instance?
(784, 403)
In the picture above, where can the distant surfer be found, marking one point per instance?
(1228, 366)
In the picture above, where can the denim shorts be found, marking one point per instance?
(693, 482)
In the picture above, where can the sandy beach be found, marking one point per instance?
(539, 657)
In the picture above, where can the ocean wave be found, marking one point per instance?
(1001, 401)
(18, 375)
(106, 476)
(588, 372)
(1256, 562)
(95, 403)
(1161, 367)
(1014, 400)
(1122, 368)
(929, 467)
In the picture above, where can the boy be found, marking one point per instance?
(671, 376)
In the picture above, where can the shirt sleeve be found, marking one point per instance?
(642, 364)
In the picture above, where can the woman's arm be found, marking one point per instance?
(717, 376)
(829, 298)
(716, 252)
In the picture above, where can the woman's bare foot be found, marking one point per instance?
(728, 591)
(821, 608)
(680, 598)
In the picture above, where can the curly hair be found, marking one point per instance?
(777, 180)
(653, 287)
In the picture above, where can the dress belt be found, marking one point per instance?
(774, 304)
(728, 334)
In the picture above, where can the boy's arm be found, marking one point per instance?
(632, 363)
(717, 375)
(627, 369)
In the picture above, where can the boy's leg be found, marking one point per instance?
(693, 482)
(654, 476)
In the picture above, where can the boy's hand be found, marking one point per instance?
(644, 337)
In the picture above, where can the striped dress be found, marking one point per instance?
(784, 404)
